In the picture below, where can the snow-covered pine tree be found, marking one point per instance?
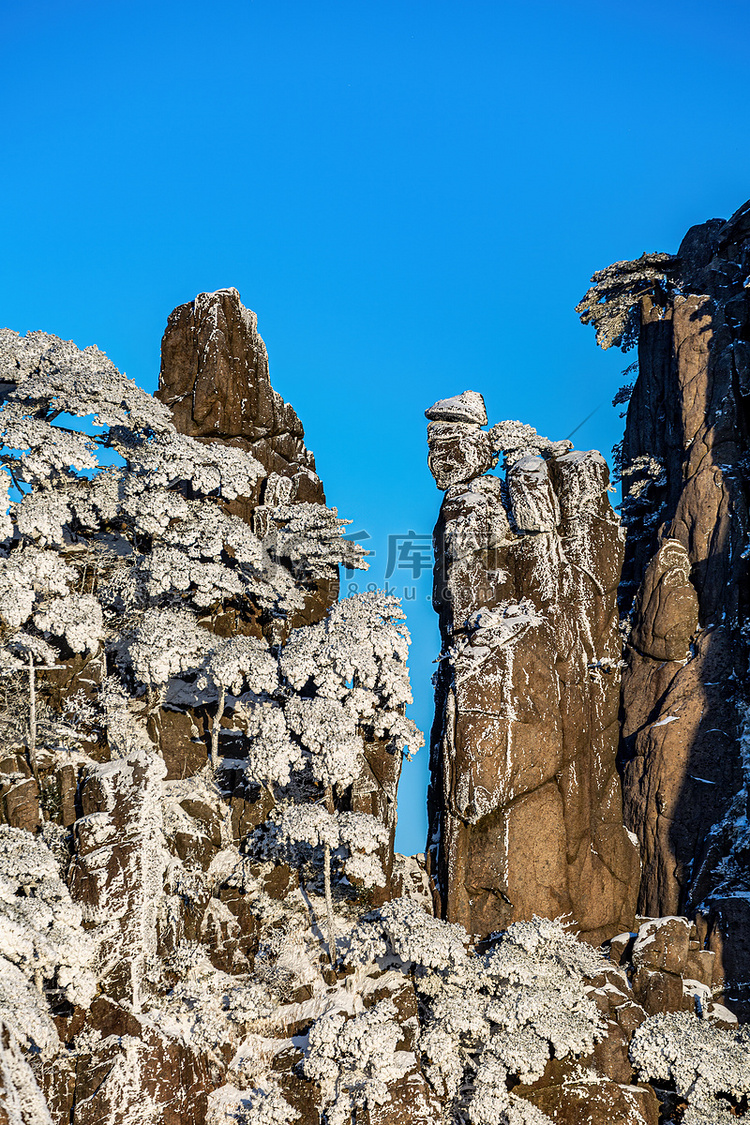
(342, 681)
(133, 563)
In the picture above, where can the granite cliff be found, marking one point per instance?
(684, 594)
(525, 802)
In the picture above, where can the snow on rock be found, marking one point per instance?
(458, 452)
(515, 440)
(466, 407)
(410, 880)
(663, 943)
(532, 500)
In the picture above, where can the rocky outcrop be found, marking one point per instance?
(685, 580)
(525, 806)
(215, 378)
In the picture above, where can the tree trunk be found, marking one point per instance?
(216, 728)
(32, 715)
(332, 951)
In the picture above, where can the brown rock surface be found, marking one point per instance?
(663, 943)
(214, 377)
(685, 505)
(572, 1097)
(525, 806)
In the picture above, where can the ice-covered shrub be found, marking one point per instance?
(263, 1105)
(612, 302)
(403, 930)
(505, 1013)
(709, 1066)
(310, 537)
(40, 925)
(354, 1059)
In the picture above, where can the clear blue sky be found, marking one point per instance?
(411, 195)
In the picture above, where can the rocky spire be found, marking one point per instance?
(214, 376)
(685, 582)
(525, 807)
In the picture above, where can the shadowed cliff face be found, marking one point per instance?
(525, 804)
(684, 693)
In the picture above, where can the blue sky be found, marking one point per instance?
(412, 196)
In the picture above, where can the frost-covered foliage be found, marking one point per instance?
(208, 1007)
(310, 537)
(76, 618)
(359, 833)
(354, 1059)
(260, 1106)
(504, 1014)
(40, 925)
(28, 576)
(490, 1017)
(515, 440)
(724, 871)
(358, 656)
(239, 662)
(612, 302)
(168, 642)
(642, 479)
(100, 557)
(327, 730)
(709, 1066)
(212, 556)
(623, 396)
(172, 458)
(403, 930)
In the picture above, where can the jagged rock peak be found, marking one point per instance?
(214, 377)
(467, 407)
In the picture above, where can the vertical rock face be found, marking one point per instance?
(684, 695)
(525, 805)
(118, 867)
